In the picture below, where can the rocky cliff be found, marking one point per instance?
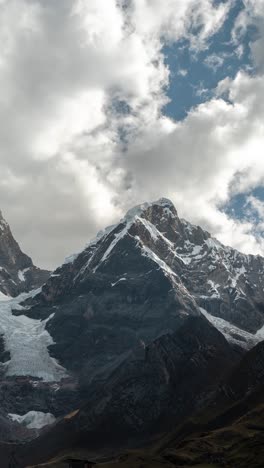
(17, 272)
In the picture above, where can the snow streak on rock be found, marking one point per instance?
(232, 333)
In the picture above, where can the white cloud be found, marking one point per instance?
(173, 20)
(213, 154)
(257, 205)
(182, 72)
(255, 210)
(82, 133)
(214, 61)
(252, 15)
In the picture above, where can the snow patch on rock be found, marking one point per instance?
(193, 253)
(33, 419)
(232, 333)
(21, 274)
(239, 271)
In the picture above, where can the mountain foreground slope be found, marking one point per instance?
(227, 431)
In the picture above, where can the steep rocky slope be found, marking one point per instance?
(17, 272)
(228, 432)
(151, 391)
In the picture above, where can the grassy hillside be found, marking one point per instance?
(239, 444)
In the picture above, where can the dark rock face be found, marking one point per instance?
(10, 432)
(154, 392)
(17, 272)
(151, 391)
(156, 388)
(4, 355)
(248, 375)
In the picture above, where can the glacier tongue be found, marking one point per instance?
(27, 341)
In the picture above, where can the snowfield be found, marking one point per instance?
(27, 340)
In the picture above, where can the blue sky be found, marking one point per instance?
(192, 79)
(238, 206)
(194, 76)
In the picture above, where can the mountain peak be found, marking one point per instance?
(164, 202)
(146, 209)
(17, 272)
(224, 283)
(3, 222)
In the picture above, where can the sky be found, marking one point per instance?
(107, 104)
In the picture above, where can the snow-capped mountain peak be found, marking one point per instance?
(148, 209)
(202, 272)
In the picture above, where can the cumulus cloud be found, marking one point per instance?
(214, 153)
(172, 20)
(83, 135)
(214, 61)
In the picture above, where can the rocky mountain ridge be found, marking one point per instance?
(17, 272)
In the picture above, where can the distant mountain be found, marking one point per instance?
(17, 272)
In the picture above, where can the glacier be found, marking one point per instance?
(27, 341)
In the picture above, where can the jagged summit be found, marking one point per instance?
(155, 211)
(156, 221)
(17, 272)
(145, 209)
